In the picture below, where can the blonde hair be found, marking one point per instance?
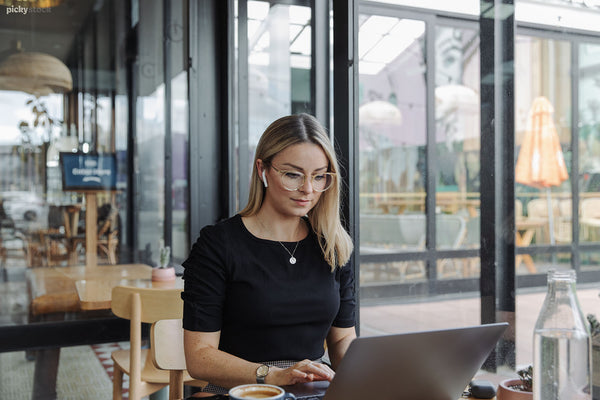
(324, 217)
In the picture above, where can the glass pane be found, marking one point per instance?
(180, 241)
(381, 319)
(457, 142)
(392, 140)
(179, 143)
(589, 143)
(279, 58)
(542, 104)
(392, 272)
(590, 260)
(279, 40)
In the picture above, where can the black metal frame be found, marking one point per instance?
(45, 335)
(345, 129)
(497, 281)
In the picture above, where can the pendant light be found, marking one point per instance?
(36, 73)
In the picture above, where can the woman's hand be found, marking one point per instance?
(301, 372)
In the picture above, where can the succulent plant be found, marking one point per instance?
(164, 257)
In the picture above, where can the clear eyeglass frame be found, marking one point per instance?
(287, 182)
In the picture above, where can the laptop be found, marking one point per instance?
(428, 365)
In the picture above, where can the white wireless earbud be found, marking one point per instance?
(265, 179)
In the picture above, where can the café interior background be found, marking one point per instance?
(126, 78)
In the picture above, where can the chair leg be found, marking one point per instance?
(117, 383)
(176, 385)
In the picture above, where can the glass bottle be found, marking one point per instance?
(561, 344)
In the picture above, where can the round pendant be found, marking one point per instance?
(292, 260)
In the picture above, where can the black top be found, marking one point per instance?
(266, 308)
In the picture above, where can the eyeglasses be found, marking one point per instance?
(293, 180)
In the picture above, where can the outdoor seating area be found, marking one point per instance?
(395, 224)
(61, 240)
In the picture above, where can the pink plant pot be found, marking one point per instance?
(506, 392)
(163, 274)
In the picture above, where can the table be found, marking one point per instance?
(449, 202)
(525, 230)
(95, 293)
(74, 289)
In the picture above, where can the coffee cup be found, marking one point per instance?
(259, 391)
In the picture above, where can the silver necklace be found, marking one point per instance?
(292, 258)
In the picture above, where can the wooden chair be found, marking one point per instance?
(450, 234)
(590, 216)
(143, 305)
(166, 342)
(538, 208)
(107, 234)
(108, 237)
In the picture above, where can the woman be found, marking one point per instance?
(264, 289)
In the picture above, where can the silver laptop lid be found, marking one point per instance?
(431, 365)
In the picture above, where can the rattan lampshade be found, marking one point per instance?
(36, 73)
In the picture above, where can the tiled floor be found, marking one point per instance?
(80, 376)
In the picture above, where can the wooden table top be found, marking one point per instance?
(94, 288)
(94, 284)
(529, 223)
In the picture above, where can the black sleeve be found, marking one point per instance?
(346, 314)
(205, 281)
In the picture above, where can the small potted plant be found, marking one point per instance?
(163, 272)
(517, 389)
(595, 335)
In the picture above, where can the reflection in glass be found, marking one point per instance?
(150, 136)
(392, 124)
(535, 80)
(392, 272)
(179, 146)
(279, 54)
(457, 145)
(279, 58)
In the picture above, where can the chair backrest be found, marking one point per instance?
(590, 208)
(166, 343)
(473, 234)
(108, 216)
(565, 208)
(154, 303)
(413, 230)
(518, 209)
(450, 231)
(538, 208)
(379, 230)
(166, 338)
(394, 232)
(143, 305)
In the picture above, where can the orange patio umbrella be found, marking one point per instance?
(541, 162)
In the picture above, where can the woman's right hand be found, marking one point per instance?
(301, 372)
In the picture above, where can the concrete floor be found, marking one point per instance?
(448, 312)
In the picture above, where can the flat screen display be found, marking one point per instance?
(88, 171)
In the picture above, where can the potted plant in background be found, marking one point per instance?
(518, 388)
(163, 272)
(595, 335)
